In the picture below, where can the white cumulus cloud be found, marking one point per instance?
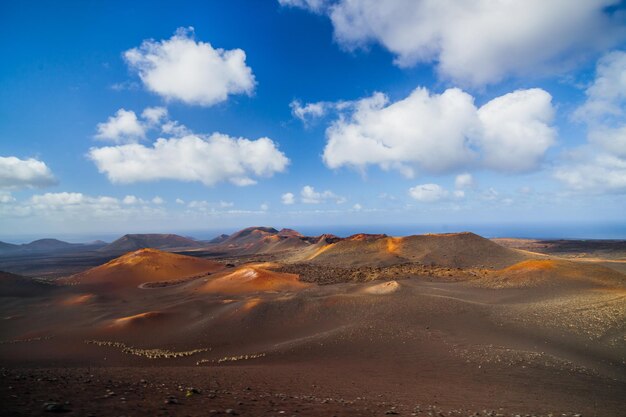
(308, 112)
(600, 165)
(24, 173)
(476, 42)
(288, 198)
(68, 199)
(443, 132)
(610, 139)
(193, 72)
(516, 130)
(71, 207)
(463, 181)
(596, 174)
(154, 115)
(124, 126)
(6, 198)
(309, 195)
(131, 199)
(606, 95)
(604, 110)
(428, 193)
(174, 128)
(209, 160)
(313, 5)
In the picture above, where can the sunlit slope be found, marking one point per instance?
(144, 265)
(253, 278)
(549, 272)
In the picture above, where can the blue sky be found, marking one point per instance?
(310, 113)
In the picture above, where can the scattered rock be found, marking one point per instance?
(192, 391)
(55, 408)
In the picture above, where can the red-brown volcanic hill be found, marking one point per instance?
(289, 233)
(262, 240)
(12, 285)
(455, 250)
(549, 272)
(132, 242)
(253, 278)
(144, 265)
(250, 235)
(357, 250)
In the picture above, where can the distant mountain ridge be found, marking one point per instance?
(49, 244)
(4, 246)
(454, 250)
(132, 242)
(46, 245)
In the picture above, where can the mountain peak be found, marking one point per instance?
(131, 242)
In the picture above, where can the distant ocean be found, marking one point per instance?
(607, 230)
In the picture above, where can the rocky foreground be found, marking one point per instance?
(92, 392)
